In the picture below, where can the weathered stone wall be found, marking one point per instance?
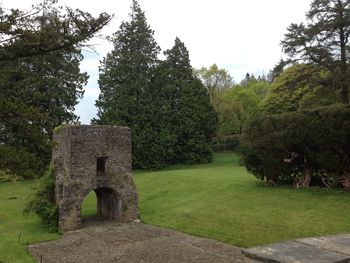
(78, 172)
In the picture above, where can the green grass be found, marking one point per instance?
(88, 207)
(13, 222)
(218, 200)
(222, 201)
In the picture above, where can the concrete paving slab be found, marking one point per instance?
(293, 252)
(339, 243)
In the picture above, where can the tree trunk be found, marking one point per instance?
(305, 179)
(270, 176)
(344, 93)
(345, 179)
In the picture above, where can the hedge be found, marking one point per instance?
(302, 148)
(226, 143)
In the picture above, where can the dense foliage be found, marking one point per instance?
(125, 77)
(43, 202)
(40, 53)
(234, 107)
(300, 87)
(26, 33)
(324, 41)
(38, 94)
(187, 114)
(301, 134)
(246, 99)
(233, 103)
(303, 147)
(166, 107)
(215, 79)
(229, 143)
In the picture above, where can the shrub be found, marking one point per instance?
(43, 202)
(226, 143)
(302, 147)
(18, 160)
(7, 176)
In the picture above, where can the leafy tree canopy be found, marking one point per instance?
(41, 82)
(324, 40)
(237, 104)
(29, 33)
(215, 79)
(300, 87)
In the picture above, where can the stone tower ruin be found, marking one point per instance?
(93, 158)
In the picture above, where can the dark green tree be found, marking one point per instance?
(40, 81)
(125, 77)
(324, 40)
(305, 147)
(191, 118)
(29, 33)
(166, 107)
(38, 94)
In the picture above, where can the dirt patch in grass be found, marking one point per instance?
(136, 242)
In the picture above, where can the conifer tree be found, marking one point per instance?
(40, 53)
(188, 114)
(324, 40)
(26, 33)
(125, 77)
(166, 107)
(37, 95)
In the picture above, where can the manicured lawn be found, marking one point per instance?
(222, 201)
(218, 200)
(13, 222)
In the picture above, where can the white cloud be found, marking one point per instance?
(241, 36)
(86, 109)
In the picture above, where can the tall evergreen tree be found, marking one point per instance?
(324, 40)
(125, 77)
(26, 33)
(187, 112)
(38, 93)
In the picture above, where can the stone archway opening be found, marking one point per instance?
(100, 204)
(88, 209)
(108, 205)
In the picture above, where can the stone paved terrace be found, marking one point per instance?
(329, 249)
(132, 243)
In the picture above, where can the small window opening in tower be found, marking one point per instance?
(101, 166)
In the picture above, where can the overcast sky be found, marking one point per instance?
(240, 36)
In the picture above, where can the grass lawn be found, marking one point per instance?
(14, 223)
(222, 201)
(218, 200)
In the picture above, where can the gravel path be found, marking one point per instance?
(112, 242)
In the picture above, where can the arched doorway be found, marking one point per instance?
(88, 207)
(100, 204)
(108, 205)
